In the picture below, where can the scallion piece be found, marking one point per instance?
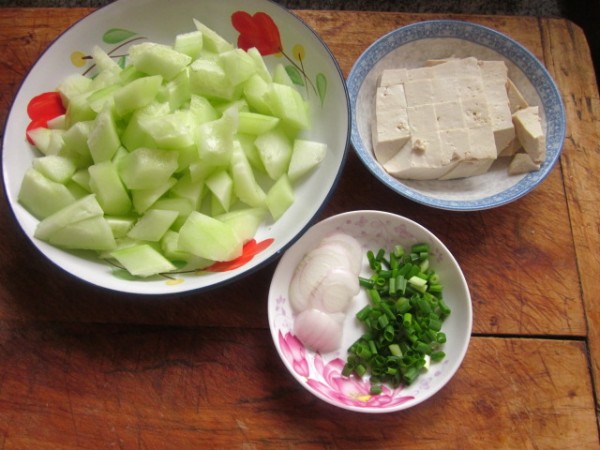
(402, 321)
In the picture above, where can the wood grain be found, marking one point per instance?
(581, 164)
(86, 368)
(95, 386)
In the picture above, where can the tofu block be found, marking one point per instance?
(516, 100)
(444, 89)
(475, 112)
(419, 73)
(449, 115)
(495, 81)
(423, 158)
(514, 147)
(452, 118)
(477, 157)
(422, 119)
(457, 67)
(522, 163)
(529, 131)
(390, 77)
(390, 130)
(469, 87)
(419, 92)
(491, 70)
(454, 142)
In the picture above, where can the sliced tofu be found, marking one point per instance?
(477, 157)
(491, 70)
(522, 163)
(422, 119)
(390, 77)
(450, 115)
(419, 92)
(391, 130)
(495, 82)
(476, 113)
(452, 119)
(529, 131)
(423, 158)
(516, 100)
(457, 68)
(469, 87)
(445, 89)
(514, 147)
(419, 73)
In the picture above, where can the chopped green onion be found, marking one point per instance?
(402, 321)
(376, 389)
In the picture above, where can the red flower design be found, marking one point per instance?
(257, 31)
(251, 249)
(294, 352)
(41, 109)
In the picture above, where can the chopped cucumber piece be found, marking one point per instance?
(306, 155)
(209, 238)
(212, 40)
(47, 141)
(41, 196)
(158, 59)
(238, 65)
(143, 260)
(82, 209)
(189, 43)
(245, 222)
(103, 140)
(56, 168)
(221, 186)
(93, 233)
(275, 150)
(245, 186)
(143, 199)
(145, 168)
(109, 189)
(255, 123)
(136, 94)
(153, 225)
(280, 197)
(103, 61)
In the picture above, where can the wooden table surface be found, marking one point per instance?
(85, 369)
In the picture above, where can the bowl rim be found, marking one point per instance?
(468, 31)
(468, 327)
(196, 289)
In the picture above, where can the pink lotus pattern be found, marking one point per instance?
(328, 381)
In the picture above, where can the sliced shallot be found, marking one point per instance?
(335, 291)
(318, 330)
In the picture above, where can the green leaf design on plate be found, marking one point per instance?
(294, 75)
(116, 35)
(122, 62)
(321, 86)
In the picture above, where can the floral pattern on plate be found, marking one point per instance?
(321, 374)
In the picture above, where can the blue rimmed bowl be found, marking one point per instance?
(411, 46)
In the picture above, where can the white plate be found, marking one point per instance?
(321, 374)
(411, 46)
(122, 22)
